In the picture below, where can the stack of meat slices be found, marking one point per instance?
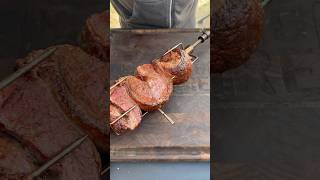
(57, 102)
(78, 82)
(149, 89)
(54, 104)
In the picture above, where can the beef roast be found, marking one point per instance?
(237, 30)
(31, 113)
(79, 83)
(149, 89)
(120, 101)
(177, 63)
(95, 36)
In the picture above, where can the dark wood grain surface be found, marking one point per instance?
(266, 112)
(267, 170)
(156, 139)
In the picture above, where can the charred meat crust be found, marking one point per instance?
(32, 115)
(237, 30)
(78, 82)
(177, 64)
(148, 88)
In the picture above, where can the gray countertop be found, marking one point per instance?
(160, 171)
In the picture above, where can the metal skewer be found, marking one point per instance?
(205, 35)
(118, 82)
(59, 156)
(118, 118)
(105, 170)
(167, 117)
(7, 81)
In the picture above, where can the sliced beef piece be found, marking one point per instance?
(15, 160)
(95, 36)
(237, 30)
(149, 89)
(30, 113)
(120, 102)
(79, 82)
(177, 64)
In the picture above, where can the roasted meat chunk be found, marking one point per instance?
(237, 30)
(149, 89)
(120, 102)
(30, 112)
(177, 64)
(78, 82)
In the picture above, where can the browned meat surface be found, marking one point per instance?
(30, 113)
(120, 101)
(177, 64)
(149, 89)
(78, 82)
(237, 30)
(95, 36)
(15, 160)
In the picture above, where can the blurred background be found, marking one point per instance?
(35, 24)
(202, 15)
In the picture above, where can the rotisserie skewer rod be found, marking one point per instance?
(4, 83)
(201, 39)
(52, 161)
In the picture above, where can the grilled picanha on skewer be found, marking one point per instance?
(78, 82)
(17, 161)
(120, 102)
(57, 102)
(150, 88)
(177, 64)
(53, 105)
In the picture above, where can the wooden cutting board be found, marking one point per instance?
(189, 106)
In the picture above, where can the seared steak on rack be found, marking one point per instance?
(95, 36)
(177, 63)
(31, 113)
(78, 82)
(149, 89)
(120, 101)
